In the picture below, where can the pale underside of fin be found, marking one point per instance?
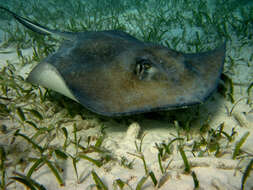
(47, 75)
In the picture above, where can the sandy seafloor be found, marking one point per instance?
(213, 172)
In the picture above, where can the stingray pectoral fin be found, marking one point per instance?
(208, 67)
(46, 75)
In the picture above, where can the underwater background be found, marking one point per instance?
(47, 139)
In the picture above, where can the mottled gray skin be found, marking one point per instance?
(112, 73)
(100, 69)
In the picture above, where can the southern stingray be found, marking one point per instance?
(112, 73)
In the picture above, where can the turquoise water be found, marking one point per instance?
(169, 22)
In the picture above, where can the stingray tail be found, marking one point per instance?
(35, 27)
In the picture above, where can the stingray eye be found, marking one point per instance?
(141, 67)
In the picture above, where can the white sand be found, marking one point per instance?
(212, 173)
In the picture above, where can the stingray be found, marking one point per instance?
(113, 74)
